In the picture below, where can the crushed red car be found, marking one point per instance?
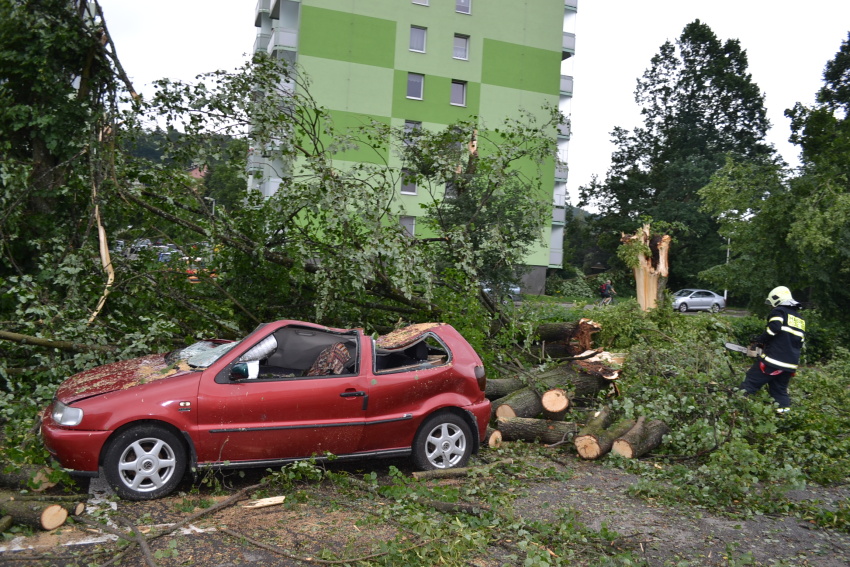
(290, 390)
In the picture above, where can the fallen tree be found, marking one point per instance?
(595, 439)
(536, 430)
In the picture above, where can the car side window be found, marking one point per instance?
(429, 352)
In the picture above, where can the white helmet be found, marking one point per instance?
(778, 295)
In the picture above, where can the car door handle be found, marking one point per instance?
(352, 394)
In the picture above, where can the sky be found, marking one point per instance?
(787, 43)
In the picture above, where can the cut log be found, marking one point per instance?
(493, 437)
(536, 430)
(6, 523)
(555, 332)
(641, 439)
(563, 340)
(555, 404)
(39, 515)
(568, 377)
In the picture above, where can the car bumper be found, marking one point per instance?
(481, 413)
(76, 451)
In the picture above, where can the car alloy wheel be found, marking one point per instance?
(145, 462)
(683, 307)
(715, 308)
(444, 441)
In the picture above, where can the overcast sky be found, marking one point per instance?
(788, 43)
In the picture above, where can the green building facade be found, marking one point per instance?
(429, 63)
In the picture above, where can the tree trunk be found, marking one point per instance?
(501, 387)
(641, 439)
(584, 383)
(563, 340)
(39, 515)
(27, 477)
(522, 403)
(461, 471)
(553, 332)
(555, 404)
(536, 430)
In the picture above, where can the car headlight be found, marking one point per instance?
(66, 415)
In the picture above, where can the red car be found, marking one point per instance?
(290, 390)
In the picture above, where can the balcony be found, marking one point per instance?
(567, 85)
(283, 38)
(565, 129)
(262, 42)
(556, 257)
(559, 215)
(561, 171)
(571, 5)
(261, 10)
(568, 46)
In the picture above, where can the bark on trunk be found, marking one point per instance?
(641, 439)
(522, 403)
(501, 387)
(583, 383)
(555, 404)
(536, 430)
(39, 515)
(563, 340)
(27, 477)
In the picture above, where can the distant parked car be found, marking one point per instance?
(289, 390)
(698, 300)
(509, 293)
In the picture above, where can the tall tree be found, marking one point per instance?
(699, 104)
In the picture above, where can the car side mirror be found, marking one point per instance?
(245, 370)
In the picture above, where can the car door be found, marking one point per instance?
(279, 418)
(701, 300)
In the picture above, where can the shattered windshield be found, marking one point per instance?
(204, 357)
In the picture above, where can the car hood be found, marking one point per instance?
(119, 376)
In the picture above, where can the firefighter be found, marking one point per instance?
(781, 343)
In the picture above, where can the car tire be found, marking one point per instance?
(715, 308)
(683, 307)
(444, 441)
(145, 462)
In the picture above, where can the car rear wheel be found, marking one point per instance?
(145, 462)
(715, 308)
(683, 307)
(444, 441)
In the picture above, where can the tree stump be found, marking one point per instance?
(555, 404)
(641, 439)
(524, 402)
(542, 430)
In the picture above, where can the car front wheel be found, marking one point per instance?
(145, 462)
(444, 441)
(715, 308)
(683, 307)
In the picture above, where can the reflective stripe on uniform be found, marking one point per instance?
(793, 331)
(779, 363)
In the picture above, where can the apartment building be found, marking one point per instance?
(429, 63)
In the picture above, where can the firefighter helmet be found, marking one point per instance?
(778, 295)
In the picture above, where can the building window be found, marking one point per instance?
(421, 2)
(408, 182)
(409, 225)
(450, 191)
(463, 6)
(415, 85)
(410, 132)
(417, 39)
(461, 47)
(459, 93)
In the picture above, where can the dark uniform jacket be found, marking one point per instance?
(783, 338)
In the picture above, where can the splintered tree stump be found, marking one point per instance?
(555, 404)
(542, 430)
(493, 438)
(641, 439)
(39, 515)
(563, 340)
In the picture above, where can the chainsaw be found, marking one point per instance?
(751, 351)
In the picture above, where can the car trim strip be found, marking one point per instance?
(272, 462)
(405, 417)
